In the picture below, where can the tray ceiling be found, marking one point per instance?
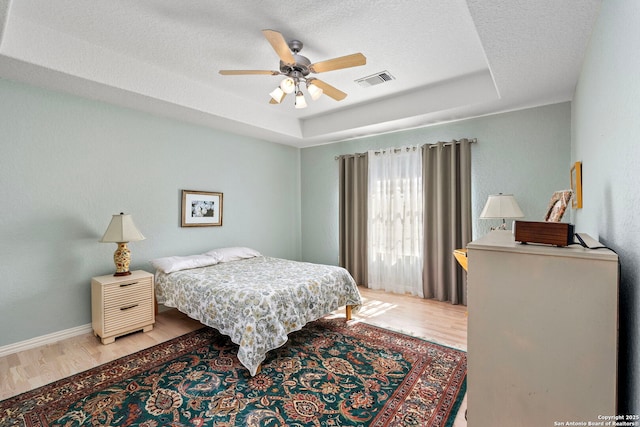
(450, 59)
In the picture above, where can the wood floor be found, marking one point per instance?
(442, 323)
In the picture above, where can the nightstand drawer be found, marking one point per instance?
(122, 294)
(125, 316)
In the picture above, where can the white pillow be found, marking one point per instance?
(176, 263)
(234, 253)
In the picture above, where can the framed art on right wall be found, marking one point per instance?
(576, 185)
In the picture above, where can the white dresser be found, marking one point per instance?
(542, 333)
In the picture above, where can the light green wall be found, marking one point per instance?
(526, 153)
(67, 164)
(606, 138)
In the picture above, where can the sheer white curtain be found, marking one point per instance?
(395, 221)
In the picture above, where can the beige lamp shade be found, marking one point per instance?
(121, 229)
(501, 206)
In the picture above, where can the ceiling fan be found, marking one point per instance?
(297, 68)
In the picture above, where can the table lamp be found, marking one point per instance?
(122, 230)
(501, 206)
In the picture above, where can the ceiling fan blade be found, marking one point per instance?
(353, 60)
(280, 45)
(244, 72)
(329, 90)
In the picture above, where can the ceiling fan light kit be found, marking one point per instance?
(278, 95)
(288, 85)
(314, 91)
(296, 68)
(300, 101)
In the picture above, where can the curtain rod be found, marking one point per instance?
(444, 144)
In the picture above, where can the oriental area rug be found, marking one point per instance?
(330, 373)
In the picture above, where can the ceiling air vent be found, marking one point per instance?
(375, 79)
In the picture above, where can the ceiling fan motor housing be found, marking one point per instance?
(300, 66)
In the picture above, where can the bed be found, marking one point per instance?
(255, 300)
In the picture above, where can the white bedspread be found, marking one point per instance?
(257, 301)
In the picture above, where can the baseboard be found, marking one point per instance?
(44, 339)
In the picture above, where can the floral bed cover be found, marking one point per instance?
(257, 301)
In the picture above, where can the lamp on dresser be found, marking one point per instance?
(122, 230)
(501, 206)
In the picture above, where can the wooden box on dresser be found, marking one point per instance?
(542, 333)
(121, 305)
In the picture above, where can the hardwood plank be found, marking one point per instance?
(436, 321)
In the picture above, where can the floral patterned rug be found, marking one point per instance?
(330, 373)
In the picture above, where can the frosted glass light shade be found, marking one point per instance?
(288, 85)
(314, 91)
(277, 94)
(300, 101)
(501, 206)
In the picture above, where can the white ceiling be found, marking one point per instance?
(451, 59)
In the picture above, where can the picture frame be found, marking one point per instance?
(201, 209)
(558, 205)
(576, 185)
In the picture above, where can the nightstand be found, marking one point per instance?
(121, 305)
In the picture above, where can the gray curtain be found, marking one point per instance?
(446, 182)
(353, 172)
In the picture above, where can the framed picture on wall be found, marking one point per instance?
(576, 185)
(201, 208)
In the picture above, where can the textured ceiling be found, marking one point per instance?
(450, 59)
